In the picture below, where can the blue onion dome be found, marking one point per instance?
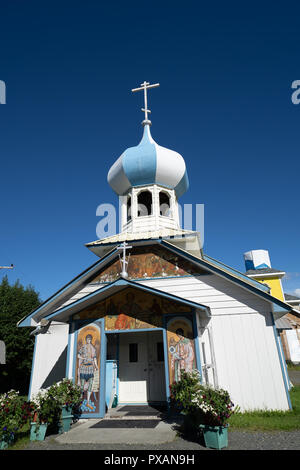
(148, 163)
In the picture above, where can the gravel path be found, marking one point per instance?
(237, 440)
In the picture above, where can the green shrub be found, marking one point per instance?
(15, 412)
(202, 403)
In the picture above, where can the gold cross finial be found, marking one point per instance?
(145, 86)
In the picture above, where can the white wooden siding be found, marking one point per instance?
(245, 350)
(247, 360)
(48, 348)
(88, 289)
(220, 295)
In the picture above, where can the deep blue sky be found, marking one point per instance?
(224, 103)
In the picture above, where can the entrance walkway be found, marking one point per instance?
(123, 425)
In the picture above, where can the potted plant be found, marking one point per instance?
(46, 413)
(14, 412)
(205, 408)
(69, 397)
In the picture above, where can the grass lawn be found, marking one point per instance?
(270, 420)
(292, 366)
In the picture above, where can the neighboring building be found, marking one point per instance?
(258, 267)
(129, 329)
(291, 337)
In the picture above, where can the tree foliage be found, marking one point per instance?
(15, 303)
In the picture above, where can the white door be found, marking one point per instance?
(156, 364)
(141, 367)
(133, 368)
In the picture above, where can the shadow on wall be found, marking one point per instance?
(59, 370)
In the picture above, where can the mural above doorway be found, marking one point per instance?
(144, 264)
(132, 309)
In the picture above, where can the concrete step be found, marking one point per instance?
(135, 412)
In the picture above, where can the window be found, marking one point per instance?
(144, 203)
(133, 352)
(164, 204)
(112, 342)
(128, 209)
(160, 352)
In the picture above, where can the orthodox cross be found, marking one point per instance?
(145, 86)
(123, 261)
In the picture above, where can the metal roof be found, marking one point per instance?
(151, 234)
(283, 323)
(289, 297)
(264, 271)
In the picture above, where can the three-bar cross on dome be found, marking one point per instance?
(148, 163)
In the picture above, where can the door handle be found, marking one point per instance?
(145, 370)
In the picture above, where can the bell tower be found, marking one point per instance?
(148, 179)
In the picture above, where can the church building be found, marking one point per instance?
(154, 304)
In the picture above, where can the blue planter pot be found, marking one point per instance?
(215, 437)
(38, 432)
(6, 441)
(66, 419)
(66, 411)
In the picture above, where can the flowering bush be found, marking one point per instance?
(185, 391)
(46, 410)
(203, 403)
(15, 411)
(66, 393)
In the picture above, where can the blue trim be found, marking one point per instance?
(69, 348)
(166, 359)
(197, 348)
(118, 370)
(280, 306)
(281, 363)
(190, 316)
(128, 283)
(137, 330)
(32, 367)
(26, 321)
(230, 270)
(102, 369)
(78, 325)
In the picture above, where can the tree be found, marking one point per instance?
(15, 303)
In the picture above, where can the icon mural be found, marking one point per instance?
(143, 265)
(132, 309)
(181, 347)
(88, 366)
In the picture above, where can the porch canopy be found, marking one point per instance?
(65, 313)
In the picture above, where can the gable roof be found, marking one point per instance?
(291, 298)
(264, 271)
(280, 308)
(112, 288)
(205, 262)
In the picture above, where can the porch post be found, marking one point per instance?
(166, 359)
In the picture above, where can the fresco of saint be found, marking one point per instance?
(88, 370)
(181, 350)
